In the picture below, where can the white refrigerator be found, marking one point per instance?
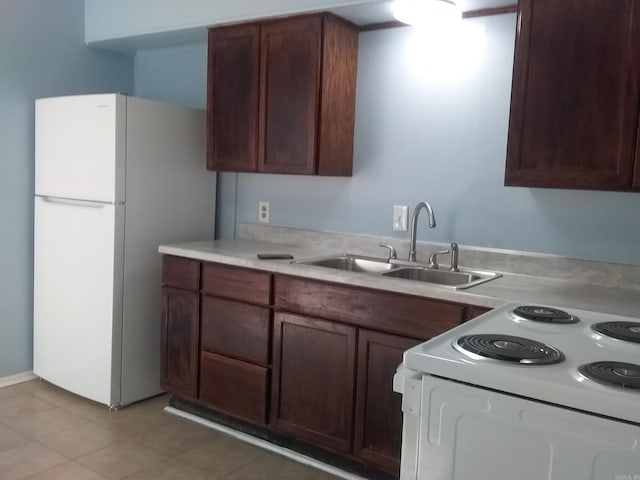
(115, 176)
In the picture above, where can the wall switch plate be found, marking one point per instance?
(400, 213)
(263, 212)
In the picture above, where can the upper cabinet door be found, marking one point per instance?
(290, 71)
(575, 96)
(232, 98)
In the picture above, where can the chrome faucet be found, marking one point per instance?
(454, 257)
(453, 251)
(393, 255)
(414, 226)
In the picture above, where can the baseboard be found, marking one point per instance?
(17, 378)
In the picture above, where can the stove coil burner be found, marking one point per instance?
(509, 348)
(627, 331)
(617, 374)
(544, 314)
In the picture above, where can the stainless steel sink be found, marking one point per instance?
(459, 280)
(401, 269)
(351, 263)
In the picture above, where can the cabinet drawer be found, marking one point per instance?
(407, 315)
(234, 387)
(236, 283)
(180, 272)
(235, 329)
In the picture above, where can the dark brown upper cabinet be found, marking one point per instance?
(281, 96)
(575, 95)
(232, 98)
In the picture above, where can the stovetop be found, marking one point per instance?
(566, 362)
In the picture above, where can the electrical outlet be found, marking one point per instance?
(263, 212)
(400, 213)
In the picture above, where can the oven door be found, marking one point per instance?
(462, 432)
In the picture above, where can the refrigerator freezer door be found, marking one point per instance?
(78, 296)
(80, 147)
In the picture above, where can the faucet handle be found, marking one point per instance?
(454, 257)
(433, 260)
(392, 251)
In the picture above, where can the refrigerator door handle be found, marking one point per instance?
(74, 202)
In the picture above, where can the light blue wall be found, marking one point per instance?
(424, 132)
(179, 75)
(431, 124)
(174, 75)
(41, 54)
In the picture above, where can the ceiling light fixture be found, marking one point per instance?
(426, 12)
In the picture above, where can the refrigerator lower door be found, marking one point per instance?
(78, 296)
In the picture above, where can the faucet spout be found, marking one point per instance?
(414, 226)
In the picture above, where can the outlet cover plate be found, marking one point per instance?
(263, 212)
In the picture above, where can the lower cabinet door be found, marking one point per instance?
(179, 344)
(234, 387)
(378, 422)
(313, 380)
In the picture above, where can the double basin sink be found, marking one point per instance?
(461, 279)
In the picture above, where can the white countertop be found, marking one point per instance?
(508, 288)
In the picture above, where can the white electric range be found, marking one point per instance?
(526, 392)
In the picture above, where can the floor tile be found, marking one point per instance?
(78, 439)
(45, 423)
(28, 459)
(152, 409)
(136, 420)
(68, 471)
(21, 405)
(274, 466)
(221, 456)
(156, 403)
(321, 475)
(10, 439)
(12, 390)
(88, 409)
(122, 460)
(177, 437)
(52, 394)
(82, 440)
(172, 469)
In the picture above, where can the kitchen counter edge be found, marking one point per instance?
(508, 288)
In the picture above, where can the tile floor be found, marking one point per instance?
(49, 434)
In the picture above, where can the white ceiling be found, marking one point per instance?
(379, 12)
(367, 13)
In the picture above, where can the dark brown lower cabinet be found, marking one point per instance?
(234, 387)
(474, 311)
(313, 380)
(308, 359)
(378, 420)
(180, 341)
